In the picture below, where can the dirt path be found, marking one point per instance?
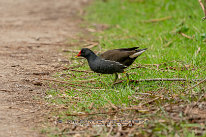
(24, 26)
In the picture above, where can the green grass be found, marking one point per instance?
(178, 56)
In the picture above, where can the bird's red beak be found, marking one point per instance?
(78, 54)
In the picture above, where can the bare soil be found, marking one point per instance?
(31, 34)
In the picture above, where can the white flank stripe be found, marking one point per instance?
(114, 62)
(136, 54)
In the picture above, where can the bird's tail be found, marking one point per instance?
(138, 53)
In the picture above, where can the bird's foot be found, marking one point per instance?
(127, 75)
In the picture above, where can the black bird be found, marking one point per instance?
(111, 61)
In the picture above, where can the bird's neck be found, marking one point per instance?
(92, 57)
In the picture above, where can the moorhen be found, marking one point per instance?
(112, 61)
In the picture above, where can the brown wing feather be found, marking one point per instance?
(121, 56)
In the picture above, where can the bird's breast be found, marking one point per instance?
(106, 66)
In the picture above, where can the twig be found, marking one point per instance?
(119, 131)
(143, 66)
(91, 45)
(159, 79)
(166, 79)
(69, 50)
(193, 105)
(196, 85)
(143, 94)
(40, 73)
(91, 105)
(160, 108)
(148, 102)
(198, 51)
(110, 131)
(203, 8)
(113, 106)
(184, 35)
(74, 51)
(168, 43)
(61, 44)
(157, 20)
(5, 90)
(118, 82)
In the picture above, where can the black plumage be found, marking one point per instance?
(111, 61)
(101, 65)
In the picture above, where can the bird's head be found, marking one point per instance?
(85, 52)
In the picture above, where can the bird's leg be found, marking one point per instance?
(116, 77)
(127, 75)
